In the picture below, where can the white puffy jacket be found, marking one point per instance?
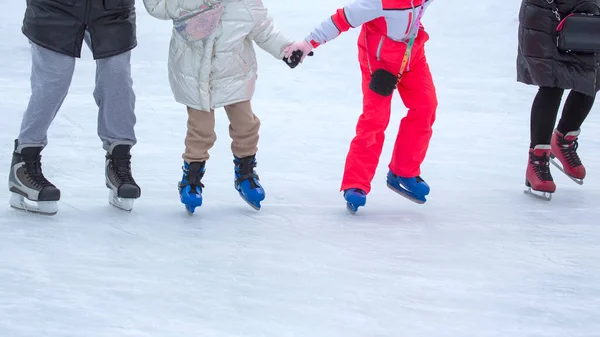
(220, 69)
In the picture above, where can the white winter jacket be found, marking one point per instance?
(220, 69)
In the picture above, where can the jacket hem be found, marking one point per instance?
(98, 56)
(48, 46)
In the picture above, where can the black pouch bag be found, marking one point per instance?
(577, 32)
(383, 82)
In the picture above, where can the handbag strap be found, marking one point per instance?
(554, 9)
(409, 46)
(557, 14)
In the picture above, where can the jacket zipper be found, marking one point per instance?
(378, 53)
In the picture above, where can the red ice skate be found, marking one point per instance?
(564, 148)
(538, 177)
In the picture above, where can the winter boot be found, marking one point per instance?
(123, 188)
(355, 198)
(26, 181)
(564, 148)
(190, 186)
(414, 189)
(247, 181)
(538, 177)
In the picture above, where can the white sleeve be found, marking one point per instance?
(264, 32)
(350, 16)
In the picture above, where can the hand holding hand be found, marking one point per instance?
(296, 52)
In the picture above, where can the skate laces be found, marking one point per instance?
(122, 169)
(34, 172)
(245, 171)
(569, 149)
(541, 166)
(193, 179)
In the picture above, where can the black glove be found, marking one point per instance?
(294, 60)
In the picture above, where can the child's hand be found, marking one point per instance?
(296, 52)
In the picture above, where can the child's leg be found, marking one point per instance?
(51, 76)
(200, 135)
(418, 94)
(243, 129)
(366, 147)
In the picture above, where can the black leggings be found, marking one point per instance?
(545, 110)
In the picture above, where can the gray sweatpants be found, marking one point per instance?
(51, 76)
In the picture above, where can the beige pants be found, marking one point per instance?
(201, 136)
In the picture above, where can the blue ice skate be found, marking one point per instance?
(354, 199)
(190, 186)
(414, 189)
(247, 181)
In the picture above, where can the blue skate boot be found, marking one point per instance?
(247, 181)
(355, 198)
(190, 186)
(414, 189)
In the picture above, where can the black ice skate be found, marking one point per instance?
(123, 188)
(26, 181)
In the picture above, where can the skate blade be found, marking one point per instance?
(125, 204)
(255, 205)
(547, 196)
(351, 208)
(407, 194)
(561, 169)
(190, 209)
(18, 202)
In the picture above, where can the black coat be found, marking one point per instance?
(540, 63)
(60, 25)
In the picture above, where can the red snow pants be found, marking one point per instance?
(418, 94)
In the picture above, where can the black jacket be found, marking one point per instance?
(540, 63)
(60, 25)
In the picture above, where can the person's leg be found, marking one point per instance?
(51, 76)
(419, 95)
(544, 111)
(365, 149)
(565, 138)
(577, 108)
(199, 139)
(200, 136)
(243, 129)
(115, 98)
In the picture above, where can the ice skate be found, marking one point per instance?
(538, 178)
(355, 198)
(123, 188)
(30, 190)
(247, 181)
(414, 189)
(564, 155)
(190, 187)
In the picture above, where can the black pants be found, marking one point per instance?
(544, 112)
